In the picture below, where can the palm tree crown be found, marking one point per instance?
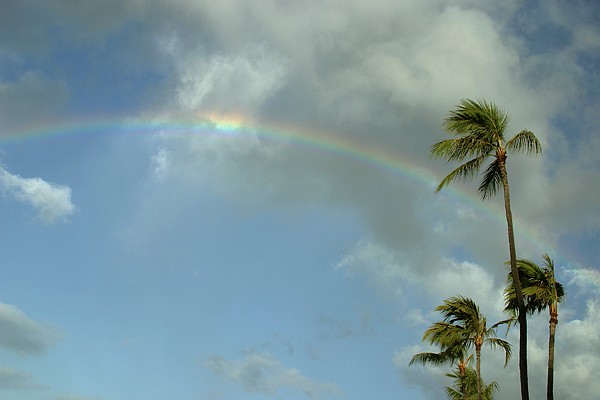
(464, 327)
(540, 291)
(464, 386)
(540, 288)
(480, 128)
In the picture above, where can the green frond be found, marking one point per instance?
(503, 344)
(457, 149)
(459, 308)
(549, 271)
(480, 117)
(426, 358)
(524, 142)
(465, 171)
(444, 357)
(492, 179)
(452, 393)
(468, 382)
(445, 335)
(539, 286)
(503, 322)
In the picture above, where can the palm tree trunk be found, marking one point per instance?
(463, 385)
(553, 322)
(517, 283)
(478, 366)
(462, 369)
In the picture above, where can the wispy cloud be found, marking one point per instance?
(14, 379)
(52, 202)
(73, 397)
(262, 373)
(21, 334)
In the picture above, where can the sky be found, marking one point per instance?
(227, 200)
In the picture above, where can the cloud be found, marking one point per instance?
(335, 328)
(30, 98)
(21, 334)
(396, 274)
(586, 279)
(262, 373)
(161, 164)
(238, 82)
(52, 201)
(17, 380)
(383, 74)
(73, 397)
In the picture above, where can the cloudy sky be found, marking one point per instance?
(226, 200)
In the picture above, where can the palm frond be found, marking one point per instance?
(479, 117)
(447, 336)
(524, 141)
(492, 179)
(468, 383)
(457, 149)
(503, 344)
(538, 287)
(465, 171)
(428, 358)
(549, 270)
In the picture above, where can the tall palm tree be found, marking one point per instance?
(464, 327)
(479, 128)
(541, 291)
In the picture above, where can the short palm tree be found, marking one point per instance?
(463, 328)
(464, 386)
(479, 128)
(454, 355)
(541, 291)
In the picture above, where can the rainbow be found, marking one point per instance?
(379, 158)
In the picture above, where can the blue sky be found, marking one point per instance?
(277, 234)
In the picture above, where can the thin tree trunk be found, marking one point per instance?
(553, 322)
(517, 283)
(478, 366)
(463, 385)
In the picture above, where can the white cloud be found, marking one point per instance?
(21, 334)
(380, 265)
(587, 279)
(17, 380)
(233, 83)
(394, 273)
(161, 164)
(262, 373)
(52, 201)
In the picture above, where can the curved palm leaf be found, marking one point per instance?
(492, 179)
(524, 141)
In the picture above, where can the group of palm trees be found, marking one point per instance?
(478, 129)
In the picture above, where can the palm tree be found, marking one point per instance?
(464, 327)
(454, 355)
(466, 382)
(480, 128)
(541, 291)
